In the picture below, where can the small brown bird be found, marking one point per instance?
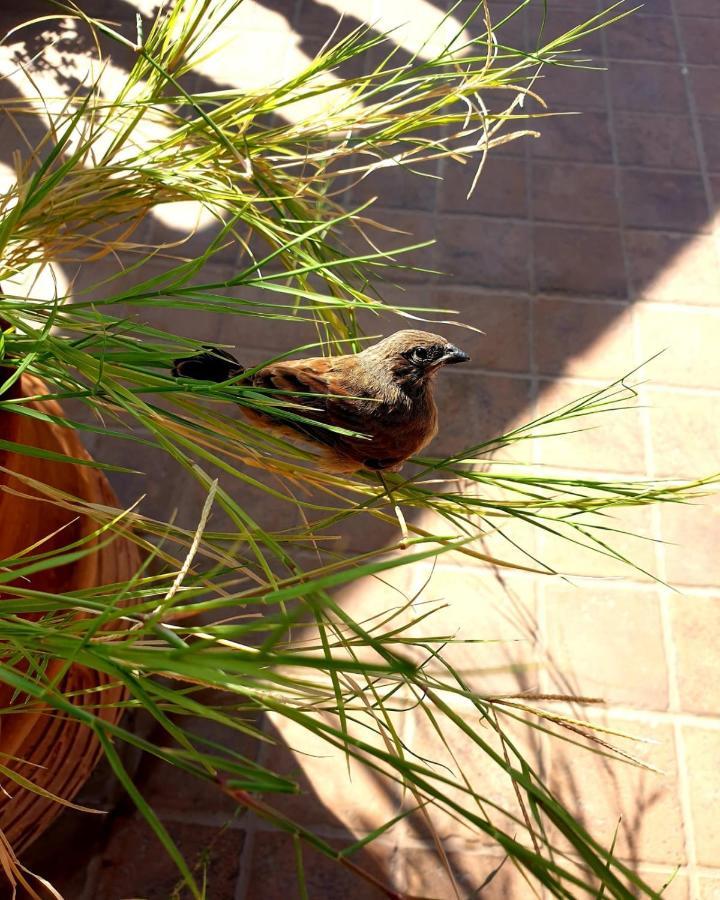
(383, 393)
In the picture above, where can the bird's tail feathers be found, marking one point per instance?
(212, 365)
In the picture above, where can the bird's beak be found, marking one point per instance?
(452, 355)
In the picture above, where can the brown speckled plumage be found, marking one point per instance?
(383, 393)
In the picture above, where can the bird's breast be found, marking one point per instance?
(404, 426)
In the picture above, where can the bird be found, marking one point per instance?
(382, 395)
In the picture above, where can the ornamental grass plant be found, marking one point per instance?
(230, 619)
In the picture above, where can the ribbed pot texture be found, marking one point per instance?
(49, 748)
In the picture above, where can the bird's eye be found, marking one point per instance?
(420, 353)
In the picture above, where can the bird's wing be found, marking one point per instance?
(301, 376)
(326, 389)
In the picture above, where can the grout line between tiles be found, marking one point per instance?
(629, 284)
(242, 885)
(294, 19)
(540, 624)
(564, 225)
(665, 62)
(92, 873)
(697, 131)
(686, 807)
(683, 773)
(252, 823)
(512, 294)
(613, 163)
(206, 820)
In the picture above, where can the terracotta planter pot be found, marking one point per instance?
(48, 748)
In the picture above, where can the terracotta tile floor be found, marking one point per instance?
(581, 254)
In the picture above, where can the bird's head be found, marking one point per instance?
(410, 358)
